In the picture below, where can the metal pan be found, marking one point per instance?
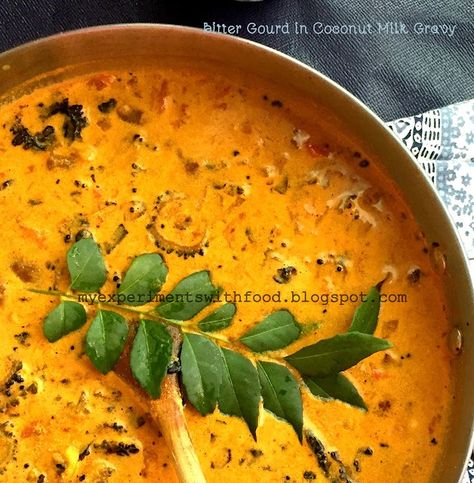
(87, 50)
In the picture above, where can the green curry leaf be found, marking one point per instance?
(189, 297)
(239, 393)
(150, 355)
(330, 356)
(65, 318)
(219, 319)
(281, 394)
(274, 332)
(143, 279)
(86, 266)
(201, 364)
(366, 315)
(335, 387)
(106, 339)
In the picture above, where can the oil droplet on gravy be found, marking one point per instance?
(254, 182)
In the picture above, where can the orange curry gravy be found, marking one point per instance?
(270, 184)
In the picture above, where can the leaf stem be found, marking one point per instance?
(46, 292)
(220, 337)
(127, 308)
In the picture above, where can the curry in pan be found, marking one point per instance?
(191, 223)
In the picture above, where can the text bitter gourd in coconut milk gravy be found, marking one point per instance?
(237, 190)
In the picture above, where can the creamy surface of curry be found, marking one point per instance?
(225, 173)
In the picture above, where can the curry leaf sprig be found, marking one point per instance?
(233, 376)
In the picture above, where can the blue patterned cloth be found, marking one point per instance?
(469, 476)
(442, 141)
